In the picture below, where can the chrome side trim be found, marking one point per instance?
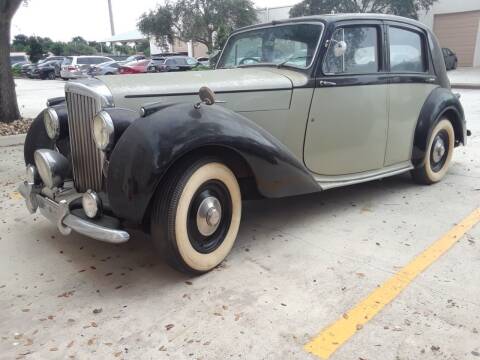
(59, 214)
(331, 182)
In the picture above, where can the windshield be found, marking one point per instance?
(292, 45)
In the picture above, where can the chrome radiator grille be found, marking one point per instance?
(86, 158)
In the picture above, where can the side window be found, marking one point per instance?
(352, 50)
(406, 51)
(83, 61)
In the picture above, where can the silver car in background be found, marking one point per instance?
(106, 68)
(75, 67)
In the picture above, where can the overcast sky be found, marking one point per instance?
(63, 19)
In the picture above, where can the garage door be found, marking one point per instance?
(458, 31)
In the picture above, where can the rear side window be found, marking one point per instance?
(407, 52)
(352, 50)
(83, 61)
(180, 61)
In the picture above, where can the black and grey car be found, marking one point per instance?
(293, 107)
(46, 70)
(178, 63)
(451, 59)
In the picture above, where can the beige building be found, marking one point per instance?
(457, 26)
(190, 48)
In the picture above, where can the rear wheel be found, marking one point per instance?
(196, 215)
(438, 155)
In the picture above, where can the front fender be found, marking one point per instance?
(152, 144)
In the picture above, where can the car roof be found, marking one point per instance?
(331, 18)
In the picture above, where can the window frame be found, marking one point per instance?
(378, 24)
(316, 53)
(424, 43)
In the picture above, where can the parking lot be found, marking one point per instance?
(299, 264)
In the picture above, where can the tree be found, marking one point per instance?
(197, 20)
(407, 8)
(8, 98)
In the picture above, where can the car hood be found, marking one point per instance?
(240, 89)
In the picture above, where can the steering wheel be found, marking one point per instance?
(248, 58)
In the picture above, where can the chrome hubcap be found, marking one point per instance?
(209, 215)
(438, 149)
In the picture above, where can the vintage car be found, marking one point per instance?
(293, 107)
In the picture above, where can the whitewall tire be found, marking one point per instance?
(196, 215)
(438, 155)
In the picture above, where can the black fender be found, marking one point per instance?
(152, 144)
(441, 102)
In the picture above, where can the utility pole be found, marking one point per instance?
(112, 26)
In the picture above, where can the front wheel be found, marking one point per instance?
(438, 155)
(196, 215)
(51, 75)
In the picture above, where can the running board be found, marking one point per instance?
(330, 182)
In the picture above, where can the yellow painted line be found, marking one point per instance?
(336, 334)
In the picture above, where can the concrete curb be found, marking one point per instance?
(12, 140)
(466, 86)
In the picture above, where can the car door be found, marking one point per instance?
(411, 80)
(347, 127)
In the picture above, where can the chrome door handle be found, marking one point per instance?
(327, 83)
(431, 80)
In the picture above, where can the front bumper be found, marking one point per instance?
(59, 213)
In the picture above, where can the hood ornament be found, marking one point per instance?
(207, 97)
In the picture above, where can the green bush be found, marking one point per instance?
(16, 71)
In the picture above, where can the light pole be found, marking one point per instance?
(112, 26)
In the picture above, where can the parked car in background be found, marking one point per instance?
(18, 59)
(106, 68)
(178, 63)
(51, 58)
(46, 70)
(451, 60)
(132, 58)
(205, 61)
(139, 67)
(74, 67)
(354, 98)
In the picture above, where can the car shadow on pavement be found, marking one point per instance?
(137, 262)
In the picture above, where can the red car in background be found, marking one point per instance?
(137, 67)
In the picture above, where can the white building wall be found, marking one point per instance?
(273, 13)
(453, 6)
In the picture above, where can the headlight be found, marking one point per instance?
(103, 131)
(91, 204)
(52, 166)
(52, 124)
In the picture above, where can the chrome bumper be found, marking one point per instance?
(59, 214)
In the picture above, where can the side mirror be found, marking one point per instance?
(339, 48)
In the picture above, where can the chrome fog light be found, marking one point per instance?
(52, 123)
(91, 203)
(52, 166)
(32, 175)
(103, 131)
